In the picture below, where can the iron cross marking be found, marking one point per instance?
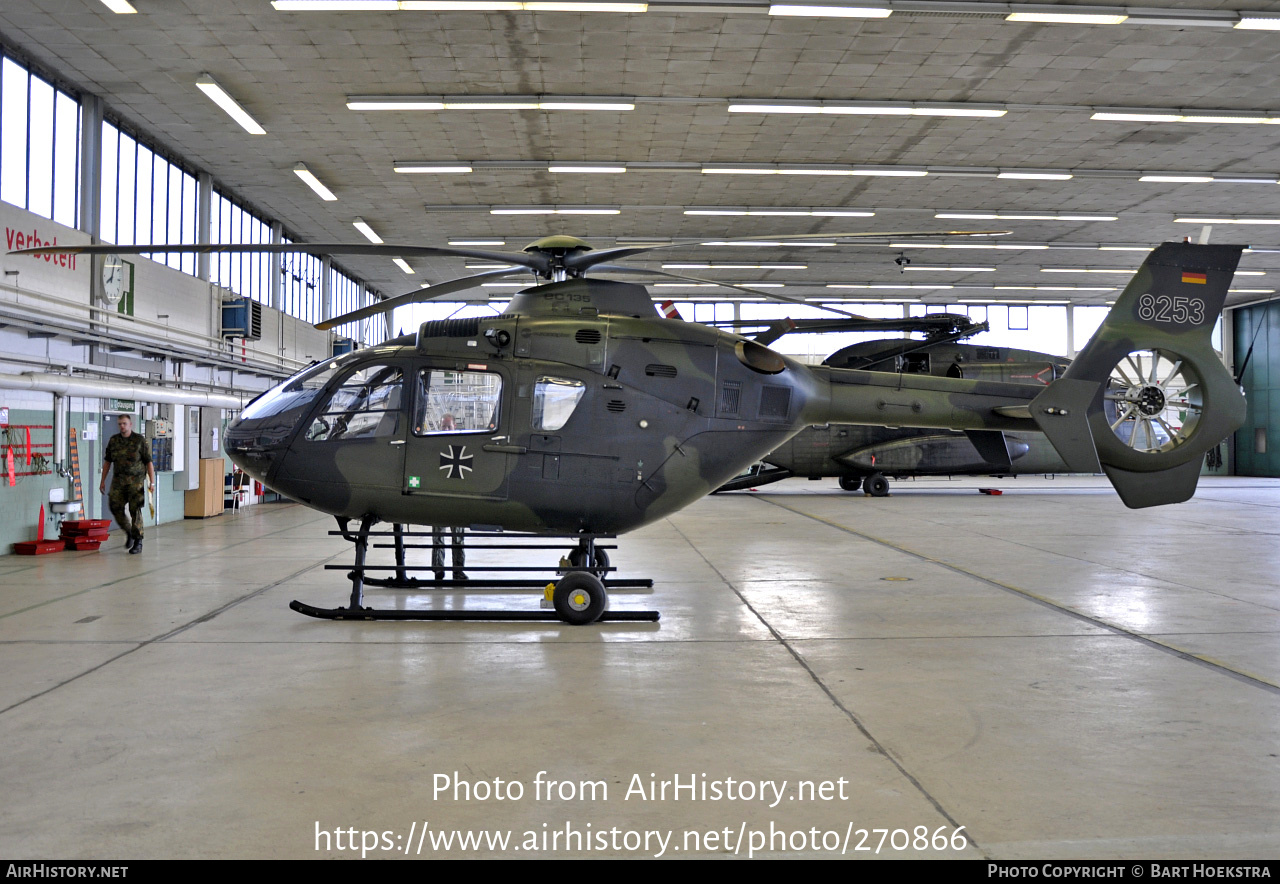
(456, 462)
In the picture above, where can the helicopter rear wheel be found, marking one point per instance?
(877, 485)
(580, 598)
(850, 483)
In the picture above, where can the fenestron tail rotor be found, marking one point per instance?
(1148, 396)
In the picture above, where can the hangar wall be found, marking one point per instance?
(1257, 443)
(53, 319)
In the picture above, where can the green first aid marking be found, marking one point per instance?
(415, 482)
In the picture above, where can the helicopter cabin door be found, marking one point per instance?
(457, 445)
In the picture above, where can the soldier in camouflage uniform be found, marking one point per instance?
(130, 454)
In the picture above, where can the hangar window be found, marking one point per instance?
(554, 401)
(39, 144)
(456, 402)
(365, 406)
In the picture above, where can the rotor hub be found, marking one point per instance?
(1149, 399)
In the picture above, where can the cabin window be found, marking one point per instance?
(456, 402)
(554, 400)
(365, 406)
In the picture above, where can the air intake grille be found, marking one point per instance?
(617, 406)
(588, 336)
(775, 402)
(730, 397)
(450, 328)
(657, 370)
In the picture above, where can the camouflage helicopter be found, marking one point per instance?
(580, 411)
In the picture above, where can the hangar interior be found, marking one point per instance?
(1059, 675)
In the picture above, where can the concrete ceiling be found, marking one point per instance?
(294, 72)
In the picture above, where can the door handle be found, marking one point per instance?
(396, 442)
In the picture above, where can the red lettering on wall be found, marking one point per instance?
(16, 239)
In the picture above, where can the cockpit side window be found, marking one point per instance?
(447, 401)
(554, 401)
(366, 405)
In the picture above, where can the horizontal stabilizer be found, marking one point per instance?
(1060, 411)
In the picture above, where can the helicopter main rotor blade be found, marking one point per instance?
(585, 260)
(531, 260)
(418, 296)
(622, 268)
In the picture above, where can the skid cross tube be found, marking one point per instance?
(591, 563)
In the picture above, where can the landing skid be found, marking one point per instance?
(574, 591)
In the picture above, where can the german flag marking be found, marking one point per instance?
(1192, 276)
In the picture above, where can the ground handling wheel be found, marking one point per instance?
(877, 485)
(599, 562)
(580, 598)
(850, 483)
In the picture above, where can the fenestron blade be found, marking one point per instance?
(418, 296)
(586, 260)
(531, 260)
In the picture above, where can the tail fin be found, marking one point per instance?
(1148, 396)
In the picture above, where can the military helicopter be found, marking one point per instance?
(580, 411)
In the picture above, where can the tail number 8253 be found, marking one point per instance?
(1165, 308)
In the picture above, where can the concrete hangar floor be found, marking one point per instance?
(1060, 676)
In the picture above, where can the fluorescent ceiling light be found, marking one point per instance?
(1066, 18)
(504, 285)
(757, 244)
(586, 105)
(888, 173)
(735, 266)
(917, 287)
(222, 99)
(1129, 272)
(1153, 117)
(313, 182)
(866, 110)
(361, 225)
(491, 105)
(589, 170)
(451, 6)
(371, 104)
(1123, 249)
(477, 242)
(335, 5)
(686, 285)
(120, 7)
(490, 266)
(462, 5)
(1227, 220)
(957, 245)
(403, 265)
(1053, 288)
(555, 211)
(1135, 117)
(1177, 179)
(1250, 291)
(782, 213)
(975, 216)
(830, 11)
(1214, 118)
(1036, 176)
(916, 267)
(430, 168)
(585, 7)
(1258, 23)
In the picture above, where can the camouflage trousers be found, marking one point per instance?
(126, 501)
(457, 551)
